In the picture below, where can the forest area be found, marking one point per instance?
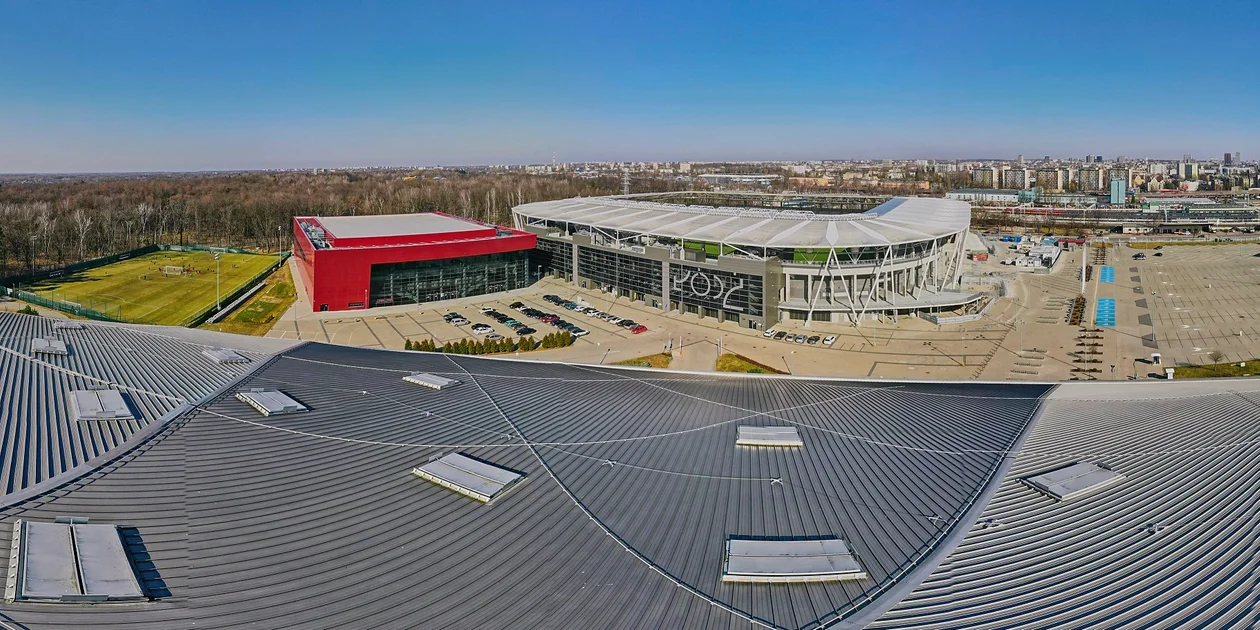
(53, 224)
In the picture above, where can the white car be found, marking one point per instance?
(593, 313)
(800, 339)
(615, 320)
(481, 329)
(581, 332)
(494, 336)
(486, 309)
(770, 332)
(459, 321)
(828, 340)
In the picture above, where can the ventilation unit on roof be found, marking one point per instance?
(100, 404)
(768, 436)
(771, 561)
(224, 355)
(430, 380)
(1072, 481)
(270, 402)
(469, 477)
(67, 324)
(40, 345)
(69, 561)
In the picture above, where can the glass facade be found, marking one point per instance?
(639, 276)
(555, 257)
(716, 289)
(433, 280)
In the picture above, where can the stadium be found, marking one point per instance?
(759, 258)
(173, 478)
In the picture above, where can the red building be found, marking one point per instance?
(379, 260)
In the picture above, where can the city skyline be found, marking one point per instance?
(134, 87)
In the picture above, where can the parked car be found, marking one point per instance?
(813, 339)
(1159, 253)
(770, 332)
(828, 340)
(494, 336)
(789, 338)
(800, 339)
(638, 329)
(579, 332)
(481, 329)
(517, 305)
(779, 335)
(628, 324)
(486, 309)
(525, 330)
(512, 322)
(459, 321)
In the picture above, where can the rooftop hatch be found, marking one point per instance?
(40, 345)
(224, 355)
(100, 404)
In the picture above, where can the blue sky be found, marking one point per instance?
(125, 86)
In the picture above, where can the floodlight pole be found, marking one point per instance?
(218, 301)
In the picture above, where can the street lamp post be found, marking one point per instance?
(218, 300)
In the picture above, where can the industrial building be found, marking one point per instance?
(514, 495)
(359, 262)
(739, 258)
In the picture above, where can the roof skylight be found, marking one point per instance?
(40, 345)
(270, 402)
(100, 404)
(1072, 481)
(769, 436)
(224, 355)
(774, 561)
(69, 562)
(430, 380)
(470, 477)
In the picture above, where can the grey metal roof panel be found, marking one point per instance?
(156, 372)
(1176, 548)
(314, 520)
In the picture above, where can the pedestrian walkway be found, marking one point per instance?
(1105, 312)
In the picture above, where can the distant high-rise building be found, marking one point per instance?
(1120, 173)
(1238, 157)
(1090, 179)
(1118, 189)
(1187, 158)
(1019, 159)
(1017, 179)
(1089, 159)
(1188, 170)
(1050, 178)
(1098, 159)
(986, 177)
(1229, 159)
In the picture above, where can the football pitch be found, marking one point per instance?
(165, 287)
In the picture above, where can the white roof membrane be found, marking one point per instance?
(790, 561)
(468, 476)
(769, 436)
(1074, 480)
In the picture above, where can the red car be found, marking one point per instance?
(638, 329)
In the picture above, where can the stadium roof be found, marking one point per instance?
(622, 515)
(899, 220)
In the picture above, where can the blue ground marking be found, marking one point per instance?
(1108, 274)
(1105, 312)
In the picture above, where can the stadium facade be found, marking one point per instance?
(380, 260)
(262, 483)
(758, 258)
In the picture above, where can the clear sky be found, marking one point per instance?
(184, 85)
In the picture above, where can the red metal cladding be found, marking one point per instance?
(339, 275)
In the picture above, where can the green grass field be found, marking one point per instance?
(136, 291)
(260, 312)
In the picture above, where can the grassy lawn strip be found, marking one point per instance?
(731, 362)
(660, 360)
(260, 312)
(1217, 370)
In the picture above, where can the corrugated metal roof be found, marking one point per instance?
(315, 520)
(40, 436)
(899, 220)
(1175, 545)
